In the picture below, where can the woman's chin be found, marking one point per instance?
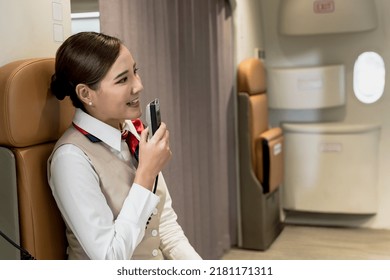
(134, 114)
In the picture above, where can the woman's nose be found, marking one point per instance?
(138, 87)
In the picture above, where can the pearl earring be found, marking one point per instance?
(90, 103)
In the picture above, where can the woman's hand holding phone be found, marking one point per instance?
(153, 156)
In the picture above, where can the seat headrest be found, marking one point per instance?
(251, 76)
(29, 113)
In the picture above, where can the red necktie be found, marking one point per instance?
(131, 140)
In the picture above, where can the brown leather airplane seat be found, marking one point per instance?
(260, 157)
(31, 121)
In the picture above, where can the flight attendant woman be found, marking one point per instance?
(103, 192)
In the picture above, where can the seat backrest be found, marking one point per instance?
(251, 82)
(31, 121)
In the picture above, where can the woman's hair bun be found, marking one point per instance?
(60, 87)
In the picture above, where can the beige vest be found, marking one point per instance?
(116, 179)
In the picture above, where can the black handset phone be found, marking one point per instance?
(153, 117)
(153, 121)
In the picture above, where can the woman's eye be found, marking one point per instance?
(123, 80)
(136, 71)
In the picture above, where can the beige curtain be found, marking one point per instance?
(184, 49)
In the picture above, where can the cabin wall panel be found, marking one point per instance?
(318, 50)
(26, 28)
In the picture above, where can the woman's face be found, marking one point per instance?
(117, 98)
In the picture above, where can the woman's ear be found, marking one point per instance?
(84, 93)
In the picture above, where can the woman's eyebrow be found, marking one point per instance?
(121, 74)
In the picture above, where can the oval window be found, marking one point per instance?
(369, 77)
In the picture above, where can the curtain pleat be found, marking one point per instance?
(184, 49)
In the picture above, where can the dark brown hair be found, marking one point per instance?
(84, 58)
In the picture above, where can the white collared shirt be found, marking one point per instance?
(76, 189)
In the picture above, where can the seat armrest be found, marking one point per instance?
(272, 134)
(269, 159)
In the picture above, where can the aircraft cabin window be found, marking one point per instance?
(369, 77)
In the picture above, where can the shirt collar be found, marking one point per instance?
(130, 126)
(106, 133)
